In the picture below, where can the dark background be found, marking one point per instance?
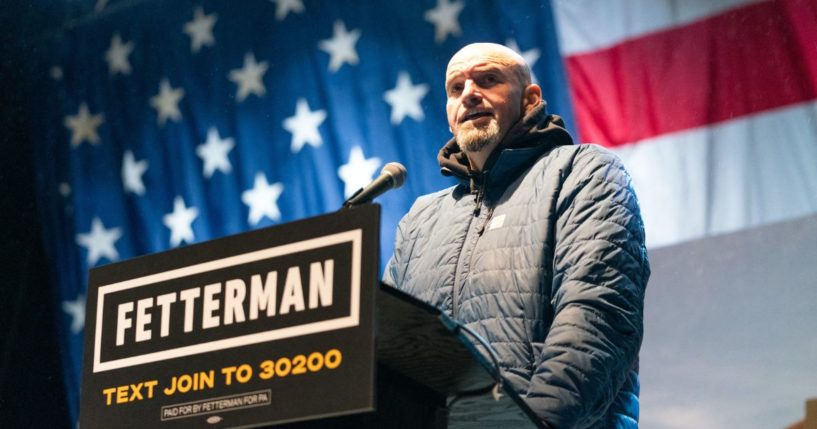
(32, 393)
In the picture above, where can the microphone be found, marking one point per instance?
(392, 176)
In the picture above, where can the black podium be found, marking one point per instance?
(420, 343)
(284, 326)
(430, 375)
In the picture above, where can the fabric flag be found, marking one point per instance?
(168, 123)
(712, 105)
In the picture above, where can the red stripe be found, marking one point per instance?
(744, 61)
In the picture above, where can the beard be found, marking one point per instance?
(474, 139)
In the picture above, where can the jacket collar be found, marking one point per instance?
(528, 139)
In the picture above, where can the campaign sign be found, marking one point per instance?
(270, 326)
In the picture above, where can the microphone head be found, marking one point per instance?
(397, 172)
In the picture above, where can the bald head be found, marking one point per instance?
(488, 88)
(491, 52)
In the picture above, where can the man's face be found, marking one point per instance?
(484, 98)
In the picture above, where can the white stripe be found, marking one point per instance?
(747, 172)
(589, 25)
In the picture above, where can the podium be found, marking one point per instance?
(422, 344)
(425, 361)
(285, 326)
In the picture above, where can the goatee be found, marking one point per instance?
(476, 139)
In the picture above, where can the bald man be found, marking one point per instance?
(539, 249)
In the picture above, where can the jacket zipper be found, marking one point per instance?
(468, 237)
(478, 207)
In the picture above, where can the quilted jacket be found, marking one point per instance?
(543, 255)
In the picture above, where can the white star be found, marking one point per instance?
(83, 126)
(358, 172)
(341, 47)
(166, 102)
(132, 171)
(214, 153)
(56, 73)
(530, 56)
(200, 29)
(180, 222)
(248, 78)
(65, 189)
(304, 126)
(444, 17)
(75, 309)
(262, 199)
(100, 242)
(405, 99)
(283, 7)
(117, 56)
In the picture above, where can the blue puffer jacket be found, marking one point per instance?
(543, 255)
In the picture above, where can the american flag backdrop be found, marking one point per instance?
(711, 104)
(167, 123)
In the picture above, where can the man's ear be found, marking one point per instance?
(531, 97)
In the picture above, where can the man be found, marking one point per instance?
(539, 248)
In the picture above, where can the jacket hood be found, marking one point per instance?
(537, 129)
